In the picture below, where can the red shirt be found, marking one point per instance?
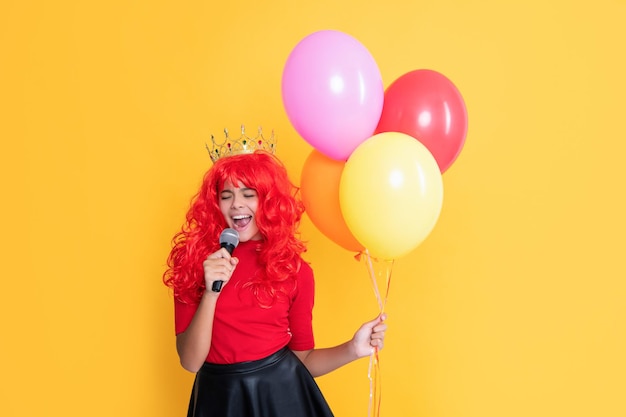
(242, 329)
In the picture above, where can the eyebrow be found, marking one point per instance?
(243, 189)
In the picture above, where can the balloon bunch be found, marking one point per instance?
(373, 181)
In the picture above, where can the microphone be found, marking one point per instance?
(229, 239)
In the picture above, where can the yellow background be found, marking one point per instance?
(513, 306)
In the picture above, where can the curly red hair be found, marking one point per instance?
(278, 217)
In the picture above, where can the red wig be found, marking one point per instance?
(278, 217)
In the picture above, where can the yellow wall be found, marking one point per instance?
(514, 306)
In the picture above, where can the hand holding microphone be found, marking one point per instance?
(229, 239)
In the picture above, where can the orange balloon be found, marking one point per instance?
(319, 186)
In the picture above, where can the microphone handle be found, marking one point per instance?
(228, 246)
(217, 285)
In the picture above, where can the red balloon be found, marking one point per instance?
(428, 106)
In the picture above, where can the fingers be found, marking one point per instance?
(377, 336)
(218, 266)
(379, 328)
(377, 325)
(377, 343)
(221, 253)
(380, 319)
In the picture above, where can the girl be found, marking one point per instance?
(251, 342)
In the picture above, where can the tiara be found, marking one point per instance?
(244, 144)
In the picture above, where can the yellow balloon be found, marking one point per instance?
(391, 193)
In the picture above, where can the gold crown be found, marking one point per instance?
(244, 144)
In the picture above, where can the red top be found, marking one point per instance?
(242, 329)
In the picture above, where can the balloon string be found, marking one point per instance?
(373, 373)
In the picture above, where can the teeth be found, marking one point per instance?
(242, 216)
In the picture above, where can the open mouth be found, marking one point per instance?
(241, 220)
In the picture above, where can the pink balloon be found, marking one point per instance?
(332, 92)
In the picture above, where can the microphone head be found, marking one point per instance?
(229, 237)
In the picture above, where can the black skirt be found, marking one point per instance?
(276, 386)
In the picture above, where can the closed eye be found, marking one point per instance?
(249, 192)
(225, 195)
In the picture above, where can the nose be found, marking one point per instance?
(237, 200)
